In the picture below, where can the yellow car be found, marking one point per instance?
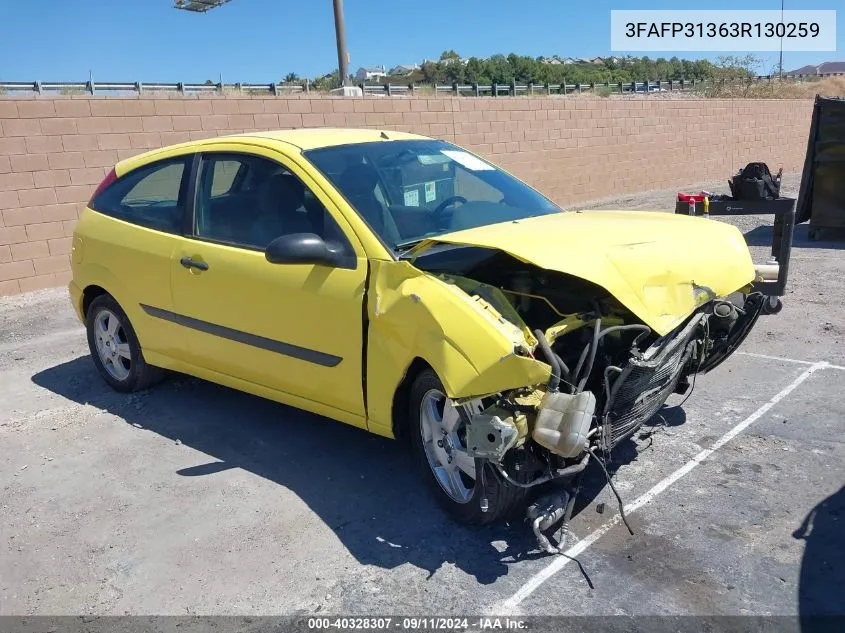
(411, 288)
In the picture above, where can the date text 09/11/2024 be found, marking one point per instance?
(416, 623)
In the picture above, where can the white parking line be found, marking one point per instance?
(790, 360)
(510, 605)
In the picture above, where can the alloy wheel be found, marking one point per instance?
(112, 345)
(443, 431)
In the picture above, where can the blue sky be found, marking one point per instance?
(262, 40)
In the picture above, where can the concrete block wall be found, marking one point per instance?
(54, 151)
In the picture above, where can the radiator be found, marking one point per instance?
(644, 384)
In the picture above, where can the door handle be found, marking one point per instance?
(187, 262)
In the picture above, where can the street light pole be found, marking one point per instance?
(340, 32)
(780, 65)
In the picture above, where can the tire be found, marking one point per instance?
(463, 502)
(115, 349)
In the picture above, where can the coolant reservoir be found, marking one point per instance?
(563, 422)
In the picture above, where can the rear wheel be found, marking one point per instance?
(115, 349)
(438, 436)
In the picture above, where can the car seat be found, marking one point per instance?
(277, 211)
(358, 185)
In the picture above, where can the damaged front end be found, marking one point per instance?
(602, 389)
(609, 371)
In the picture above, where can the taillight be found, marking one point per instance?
(109, 179)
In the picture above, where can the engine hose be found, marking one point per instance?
(542, 540)
(631, 326)
(551, 357)
(613, 488)
(563, 472)
(565, 374)
(645, 330)
(590, 347)
(607, 370)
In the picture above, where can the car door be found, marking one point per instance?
(293, 328)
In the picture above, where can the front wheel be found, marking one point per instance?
(438, 436)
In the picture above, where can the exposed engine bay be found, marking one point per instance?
(610, 372)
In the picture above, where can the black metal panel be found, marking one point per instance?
(822, 197)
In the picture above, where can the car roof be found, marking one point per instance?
(313, 138)
(302, 139)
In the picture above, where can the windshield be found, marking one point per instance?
(410, 190)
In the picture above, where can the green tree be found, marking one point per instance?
(734, 73)
(326, 82)
(522, 69)
(499, 69)
(434, 72)
(290, 78)
(474, 71)
(736, 67)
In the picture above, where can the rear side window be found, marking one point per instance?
(152, 196)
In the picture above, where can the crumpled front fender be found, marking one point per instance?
(412, 314)
(463, 379)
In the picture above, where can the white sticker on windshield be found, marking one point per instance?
(430, 191)
(467, 160)
(432, 159)
(412, 198)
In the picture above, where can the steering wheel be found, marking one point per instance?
(439, 212)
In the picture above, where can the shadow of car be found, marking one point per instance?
(821, 606)
(364, 487)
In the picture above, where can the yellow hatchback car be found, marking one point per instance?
(408, 287)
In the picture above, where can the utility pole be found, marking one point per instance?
(201, 6)
(780, 65)
(340, 32)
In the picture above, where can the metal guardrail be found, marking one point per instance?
(91, 87)
(496, 90)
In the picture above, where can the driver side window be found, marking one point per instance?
(248, 201)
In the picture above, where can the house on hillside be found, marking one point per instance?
(451, 60)
(373, 73)
(403, 70)
(822, 69)
(595, 61)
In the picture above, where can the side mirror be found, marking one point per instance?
(301, 248)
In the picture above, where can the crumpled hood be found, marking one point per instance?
(660, 266)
